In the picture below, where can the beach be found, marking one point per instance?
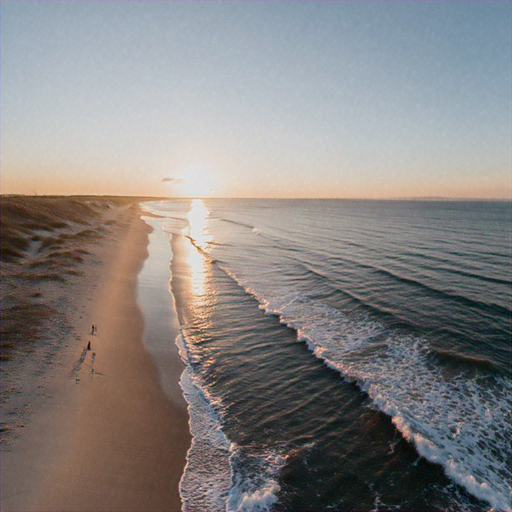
(329, 355)
(82, 433)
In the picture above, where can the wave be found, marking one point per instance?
(457, 359)
(254, 486)
(200, 250)
(432, 291)
(283, 242)
(258, 231)
(499, 361)
(237, 223)
(492, 308)
(207, 474)
(465, 301)
(392, 318)
(491, 336)
(471, 275)
(455, 423)
(219, 475)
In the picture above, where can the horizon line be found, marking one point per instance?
(149, 197)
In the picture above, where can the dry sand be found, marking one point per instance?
(75, 439)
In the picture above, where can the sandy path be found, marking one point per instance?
(111, 440)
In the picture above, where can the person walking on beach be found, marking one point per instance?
(89, 345)
(92, 329)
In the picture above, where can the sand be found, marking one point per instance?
(108, 439)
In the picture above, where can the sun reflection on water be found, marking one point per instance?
(197, 223)
(199, 237)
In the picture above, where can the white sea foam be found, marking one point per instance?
(217, 476)
(259, 500)
(253, 490)
(207, 477)
(455, 422)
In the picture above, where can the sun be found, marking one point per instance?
(197, 182)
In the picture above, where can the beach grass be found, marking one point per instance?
(45, 239)
(22, 324)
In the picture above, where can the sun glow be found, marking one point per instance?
(197, 182)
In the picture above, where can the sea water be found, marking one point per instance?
(342, 355)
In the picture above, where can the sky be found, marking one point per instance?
(350, 99)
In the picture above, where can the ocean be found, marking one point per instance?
(344, 355)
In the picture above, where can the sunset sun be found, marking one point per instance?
(197, 182)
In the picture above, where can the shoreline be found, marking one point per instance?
(109, 439)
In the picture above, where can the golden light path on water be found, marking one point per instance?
(199, 237)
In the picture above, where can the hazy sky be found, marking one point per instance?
(262, 98)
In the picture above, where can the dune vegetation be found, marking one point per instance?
(45, 242)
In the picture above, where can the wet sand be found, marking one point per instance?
(108, 439)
